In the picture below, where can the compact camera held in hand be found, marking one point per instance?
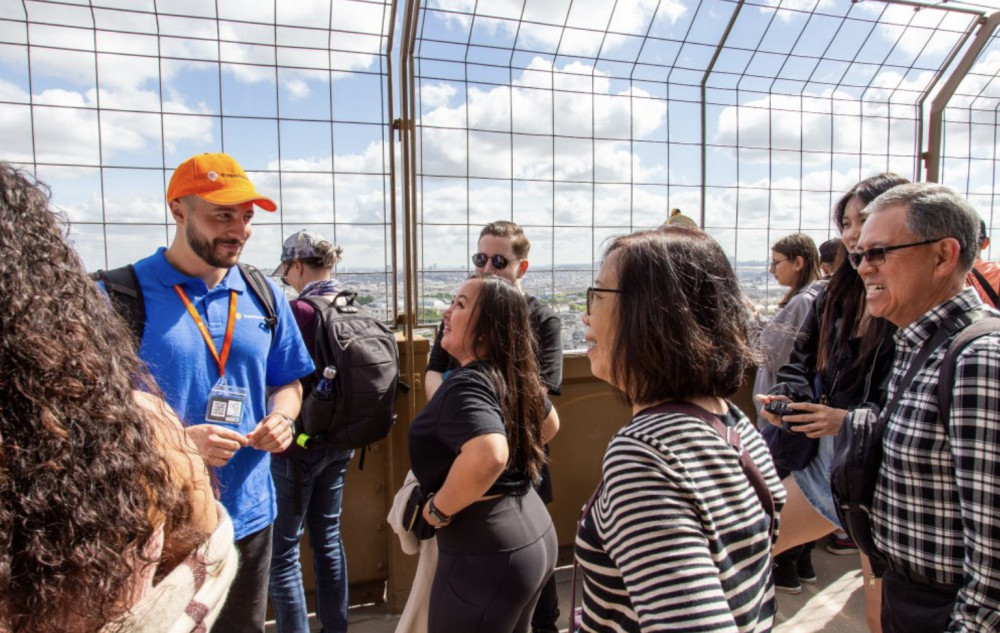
(782, 408)
(779, 408)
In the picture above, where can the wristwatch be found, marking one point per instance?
(439, 517)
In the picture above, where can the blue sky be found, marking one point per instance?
(573, 120)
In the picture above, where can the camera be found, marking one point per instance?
(779, 408)
(782, 408)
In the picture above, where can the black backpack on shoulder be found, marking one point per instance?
(122, 286)
(365, 353)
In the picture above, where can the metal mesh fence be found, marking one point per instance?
(578, 119)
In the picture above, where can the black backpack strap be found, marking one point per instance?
(122, 286)
(262, 290)
(987, 288)
(984, 323)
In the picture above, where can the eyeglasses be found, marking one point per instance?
(775, 262)
(499, 261)
(876, 256)
(284, 274)
(591, 291)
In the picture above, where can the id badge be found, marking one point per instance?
(225, 404)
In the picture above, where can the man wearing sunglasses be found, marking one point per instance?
(937, 492)
(502, 251)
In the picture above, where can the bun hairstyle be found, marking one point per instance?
(328, 255)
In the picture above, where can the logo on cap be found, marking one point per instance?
(212, 176)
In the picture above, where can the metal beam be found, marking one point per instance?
(704, 126)
(932, 157)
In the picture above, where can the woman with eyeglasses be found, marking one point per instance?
(794, 264)
(840, 359)
(476, 449)
(678, 536)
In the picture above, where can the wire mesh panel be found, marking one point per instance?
(585, 119)
(578, 119)
(103, 99)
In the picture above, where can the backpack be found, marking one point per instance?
(364, 351)
(122, 286)
(857, 456)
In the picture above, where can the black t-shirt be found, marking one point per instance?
(548, 335)
(464, 407)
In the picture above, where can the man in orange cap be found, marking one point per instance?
(212, 349)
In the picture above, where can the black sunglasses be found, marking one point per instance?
(591, 291)
(876, 255)
(499, 261)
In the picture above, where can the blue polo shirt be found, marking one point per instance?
(186, 371)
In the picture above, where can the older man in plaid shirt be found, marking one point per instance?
(936, 512)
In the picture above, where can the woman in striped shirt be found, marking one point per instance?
(677, 538)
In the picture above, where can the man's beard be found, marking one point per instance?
(210, 252)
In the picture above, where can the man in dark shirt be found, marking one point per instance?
(503, 251)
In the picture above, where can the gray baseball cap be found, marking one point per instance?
(301, 245)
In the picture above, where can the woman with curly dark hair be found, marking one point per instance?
(99, 494)
(476, 449)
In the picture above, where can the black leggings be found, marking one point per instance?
(493, 561)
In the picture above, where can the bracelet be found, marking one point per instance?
(441, 518)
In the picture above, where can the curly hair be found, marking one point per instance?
(503, 326)
(682, 329)
(83, 483)
(794, 246)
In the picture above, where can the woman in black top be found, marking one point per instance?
(475, 449)
(841, 359)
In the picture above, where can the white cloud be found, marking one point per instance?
(297, 88)
(592, 110)
(796, 7)
(436, 94)
(537, 32)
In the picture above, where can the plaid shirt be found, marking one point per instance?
(937, 501)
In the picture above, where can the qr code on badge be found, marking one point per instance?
(219, 409)
(234, 410)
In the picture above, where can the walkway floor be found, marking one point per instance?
(835, 604)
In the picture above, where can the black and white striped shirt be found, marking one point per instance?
(936, 510)
(677, 539)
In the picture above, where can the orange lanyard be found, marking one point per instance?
(227, 341)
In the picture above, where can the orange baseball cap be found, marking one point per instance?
(217, 178)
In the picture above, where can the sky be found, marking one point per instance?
(580, 120)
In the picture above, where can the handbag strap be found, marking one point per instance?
(942, 332)
(579, 524)
(732, 437)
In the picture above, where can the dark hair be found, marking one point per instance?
(504, 228)
(82, 477)
(829, 250)
(794, 246)
(845, 295)
(936, 212)
(508, 342)
(682, 328)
